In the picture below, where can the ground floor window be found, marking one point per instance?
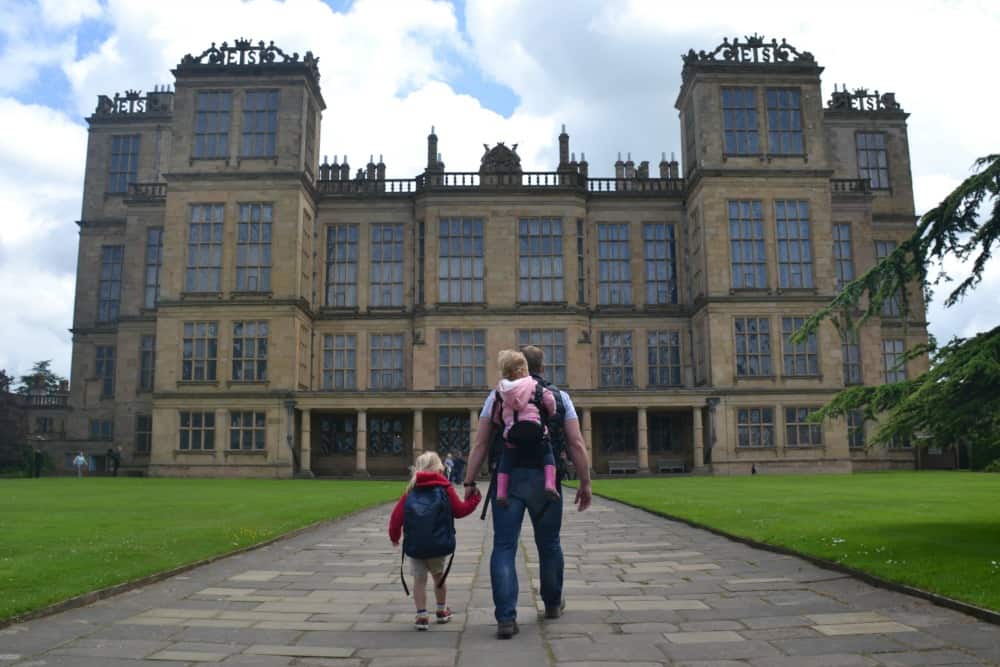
(755, 427)
(453, 434)
(385, 436)
(197, 430)
(798, 431)
(618, 434)
(143, 433)
(101, 429)
(856, 429)
(337, 434)
(660, 436)
(247, 430)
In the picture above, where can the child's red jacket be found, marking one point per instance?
(459, 507)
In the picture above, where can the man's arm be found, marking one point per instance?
(576, 449)
(478, 454)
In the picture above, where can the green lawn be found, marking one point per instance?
(61, 537)
(939, 531)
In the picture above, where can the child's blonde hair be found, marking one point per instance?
(511, 362)
(428, 461)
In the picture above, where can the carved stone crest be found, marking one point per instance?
(752, 50)
(500, 159)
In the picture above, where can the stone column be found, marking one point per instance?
(418, 433)
(305, 468)
(585, 428)
(643, 440)
(361, 444)
(699, 439)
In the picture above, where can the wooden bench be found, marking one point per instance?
(671, 465)
(623, 466)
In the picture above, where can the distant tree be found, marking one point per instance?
(5, 381)
(958, 399)
(41, 369)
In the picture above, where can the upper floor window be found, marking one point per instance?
(893, 365)
(260, 123)
(124, 163)
(342, 266)
(540, 260)
(873, 161)
(784, 121)
(462, 358)
(660, 254)
(200, 351)
(386, 361)
(746, 245)
(340, 361)
(211, 124)
(795, 266)
(253, 248)
(154, 261)
(386, 264)
(614, 281)
(664, 348)
(204, 266)
(104, 369)
(101, 429)
(615, 360)
(753, 346)
(552, 343)
(739, 122)
(421, 246)
(843, 254)
(460, 262)
(581, 264)
(250, 351)
(109, 292)
(893, 304)
(800, 358)
(147, 363)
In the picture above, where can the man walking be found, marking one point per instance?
(526, 493)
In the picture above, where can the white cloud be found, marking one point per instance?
(40, 189)
(66, 13)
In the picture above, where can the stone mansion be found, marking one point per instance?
(244, 310)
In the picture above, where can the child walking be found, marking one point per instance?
(525, 407)
(425, 517)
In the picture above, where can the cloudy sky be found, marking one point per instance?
(481, 72)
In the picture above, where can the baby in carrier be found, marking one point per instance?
(522, 408)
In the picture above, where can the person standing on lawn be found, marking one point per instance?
(527, 493)
(80, 462)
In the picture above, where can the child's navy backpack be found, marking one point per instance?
(428, 527)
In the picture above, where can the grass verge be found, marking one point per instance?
(61, 537)
(938, 531)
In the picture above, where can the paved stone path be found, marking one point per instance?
(640, 591)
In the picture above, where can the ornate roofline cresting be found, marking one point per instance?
(753, 50)
(244, 53)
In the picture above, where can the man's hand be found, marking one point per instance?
(582, 499)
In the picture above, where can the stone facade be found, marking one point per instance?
(268, 315)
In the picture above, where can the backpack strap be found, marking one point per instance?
(536, 400)
(402, 578)
(446, 570)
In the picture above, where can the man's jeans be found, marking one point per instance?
(527, 492)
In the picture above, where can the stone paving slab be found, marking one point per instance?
(640, 590)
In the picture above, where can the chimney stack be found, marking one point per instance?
(433, 157)
(563, 149)
(619, 167)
